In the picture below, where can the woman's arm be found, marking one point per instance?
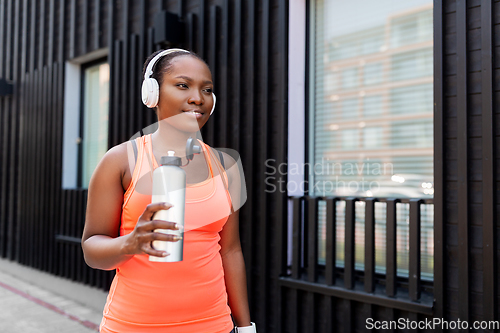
(232, 256)
(101, 244)
(234, 270)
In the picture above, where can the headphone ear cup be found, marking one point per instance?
(150, 92)
(213, 107)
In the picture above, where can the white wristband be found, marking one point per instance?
(247, 329)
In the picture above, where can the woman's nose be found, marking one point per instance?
(196, 97)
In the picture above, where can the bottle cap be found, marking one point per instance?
(171, 159)
(191, 149)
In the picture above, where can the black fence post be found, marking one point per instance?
(370, 245)
(312, 239)
(349, 255)
(330, 241)
(296, 237)
(414, 269)
(391, 266)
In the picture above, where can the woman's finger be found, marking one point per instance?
(159, 236)
(152, 208)
(149, 237)
(147, 249)
(162, 224)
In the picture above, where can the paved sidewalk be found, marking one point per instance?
(27, 306)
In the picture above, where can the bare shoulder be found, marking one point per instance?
(116, 157)
(115, 163)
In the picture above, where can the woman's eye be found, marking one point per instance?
(182, 85)
(209, 90)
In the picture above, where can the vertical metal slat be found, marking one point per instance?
(38, 217)
(41, 37)
(281, 122)
(72, 30)
(4, 134)
(124, 111)
(58, 164)
(133, 89)
(223, 79)
(414, 269)
(10, 151)
(117, 104)
(85, 26)
(212, 62)
(349, 243)
(330, 241)
(296, 237)
(488, 148)
(248, 133)
(312, 239)
(462, 152)
(97, 24)
(265, 308)
(50, 53)
(370, 245)
(201, 30)
(390, 284)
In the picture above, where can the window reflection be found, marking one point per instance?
(95, 116)
(372, 117)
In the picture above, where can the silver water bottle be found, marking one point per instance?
(169, 185)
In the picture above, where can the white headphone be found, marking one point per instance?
(151, 88)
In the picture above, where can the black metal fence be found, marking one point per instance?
(317, 281)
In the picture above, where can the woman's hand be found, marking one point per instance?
(141, 239)
(103, 246)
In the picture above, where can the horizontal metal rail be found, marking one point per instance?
(68, 239)
(425, 306)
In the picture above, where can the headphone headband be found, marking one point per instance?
(149, 68)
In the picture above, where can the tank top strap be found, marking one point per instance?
(215, 157)
(137, 168)
(148, 154)
(225, 180)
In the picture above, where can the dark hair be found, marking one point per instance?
(164, 64)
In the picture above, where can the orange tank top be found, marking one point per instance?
(187, 296)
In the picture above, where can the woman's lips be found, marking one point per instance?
(194, 113)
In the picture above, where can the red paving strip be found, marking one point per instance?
(52, 307)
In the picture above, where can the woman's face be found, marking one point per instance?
(186, 99)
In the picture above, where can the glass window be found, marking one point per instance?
(372, 106)
(375, 116)
(95, 111)
(374, 73)
(350, 139)
(420, 62)
(411, 100)
(350, 108)
(372, 137)
(350, 78)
